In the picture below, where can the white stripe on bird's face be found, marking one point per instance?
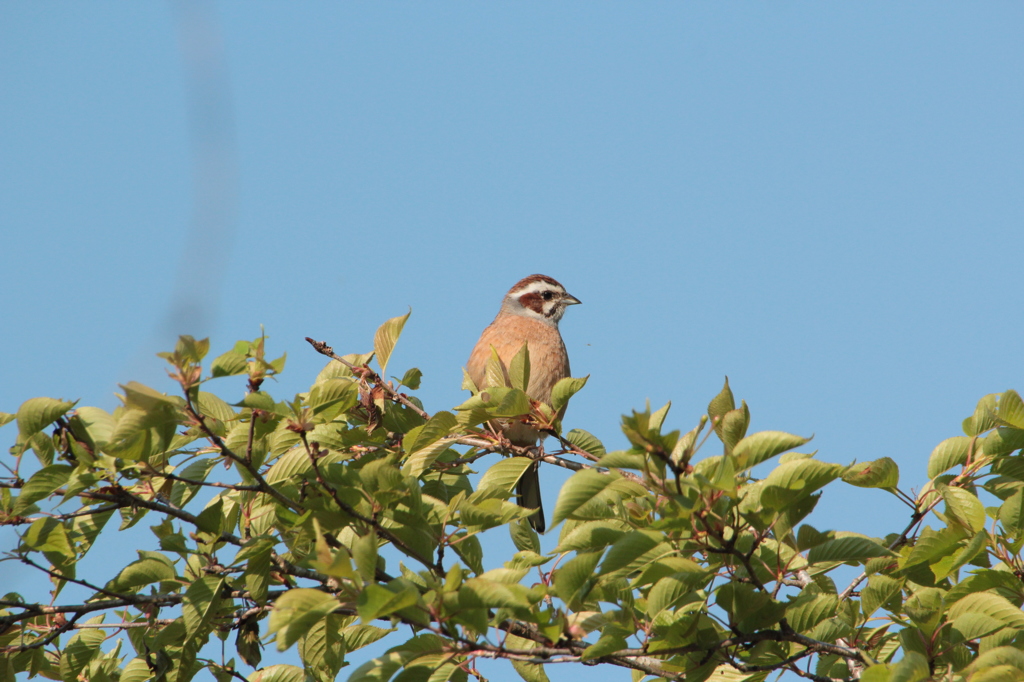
(540, 298)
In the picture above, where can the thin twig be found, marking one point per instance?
(366, 374)
(210, 484)
(264, 487)
(77, 581)
(380, 529)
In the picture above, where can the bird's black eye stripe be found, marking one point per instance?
(547, 295)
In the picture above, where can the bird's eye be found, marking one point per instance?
(547, 295)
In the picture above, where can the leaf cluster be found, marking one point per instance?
(349, 514)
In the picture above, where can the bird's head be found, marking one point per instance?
(538, 297)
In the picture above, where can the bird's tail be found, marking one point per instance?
(528, 496)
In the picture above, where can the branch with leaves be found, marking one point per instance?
(350, 513)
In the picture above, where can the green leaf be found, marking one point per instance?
(82, 648)
(807, 610)
(497, 401)
(524, 537)
(794, 479)
(519, 369)
(998, 663)
(182, 493)
(932, 546)
(719, 405)
(229, 364)
(296, 611)
(720, 473)
(421, 460)
(612, 639)
(669, 592)
(624, 459)
(657, 418)
(964, 506)
(376, 601)
(530, 672)
(447, 670)
(574, 578)
(341, 393)
(686, 445)
(726, 673)
(411, 379)
(145, 571)
(257, 570)
(733, 426)
(279, 365)
(1011, 515)
(877, 673)
(500, 479)
(565, 389)
(364, 553)
(293, 465)
(629, 548)
(279, 672)
(356, 637)
(986, 580)
(586, 442)
(36, 414)
(258, 400)
(925, 608)
(98, 423)
(991, 605)
(983, 418)
(851, 548)
(333, 368)
(136, 670)
(913, 668)
(384, 667)
(437, 427)
(201, 601)
(970, 626)
(880, 473)
(212, 406)
(191, 350)
(880, 590)
(7, 418)
(963, 556)
(143, 397)
(495, 372)
(469, 550)
(85, 529)
(483, 593)
(590, 535)
(468, 384)
(322, 649)
(1010, 410)
(41, 485)
(762, 446)
(1003, 441)
(948, 454)
(48, 535)
(580, 489)
(212, 518)
(386, 337)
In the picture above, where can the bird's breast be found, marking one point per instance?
(549, 361)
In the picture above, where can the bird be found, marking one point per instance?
(529, 314)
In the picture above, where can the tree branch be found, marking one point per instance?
(365, 374)
(264, 487)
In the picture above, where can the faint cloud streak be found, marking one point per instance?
(200, 277)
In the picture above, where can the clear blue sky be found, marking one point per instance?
(824, 201)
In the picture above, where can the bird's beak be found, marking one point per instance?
(570, 299)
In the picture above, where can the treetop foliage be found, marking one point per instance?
(351, 514)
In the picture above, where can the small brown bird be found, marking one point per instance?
(529, 315)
